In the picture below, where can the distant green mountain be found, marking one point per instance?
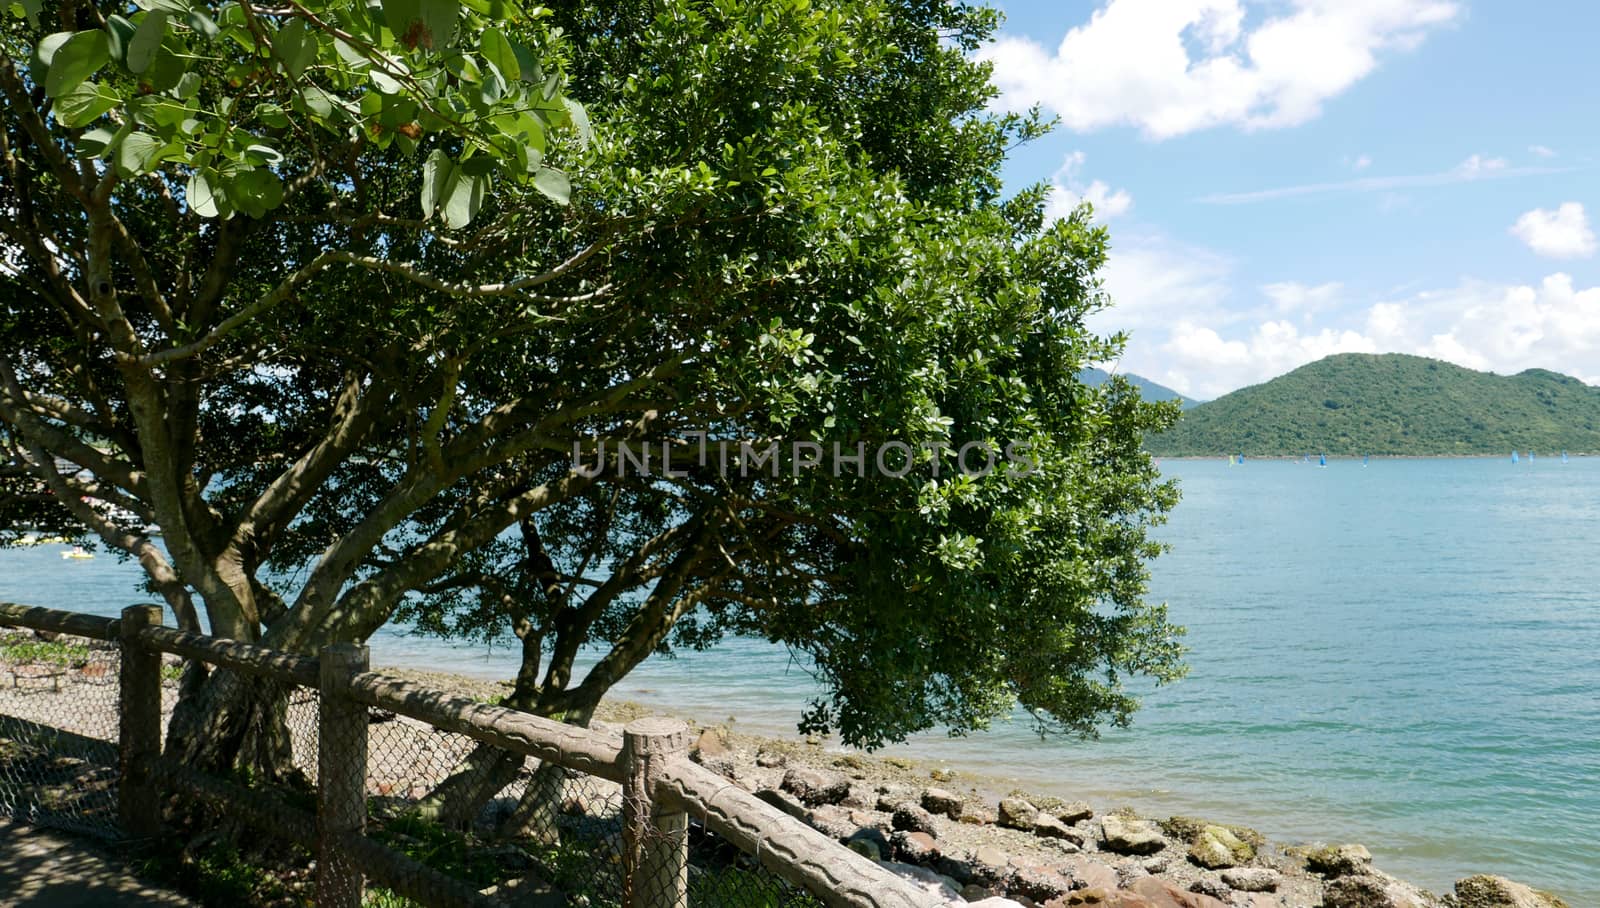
(1148, 389)
(1356, 403)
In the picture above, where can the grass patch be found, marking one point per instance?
(27, 649)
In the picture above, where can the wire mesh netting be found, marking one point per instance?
(58, 730)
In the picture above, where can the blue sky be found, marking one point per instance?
(1285, 179)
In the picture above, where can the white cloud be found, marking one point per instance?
(1361, 163)
(1177, 66)
(1067, 190)
(1304, 299)
(1542, 151)
(1560, 234)
(1480, 165)
(1476, 167)
(1154, 282)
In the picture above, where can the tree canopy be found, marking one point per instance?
(377, 394)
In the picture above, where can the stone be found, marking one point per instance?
(1372, 891)
(833, 822)
(973, 892)
(941, 802)
(1129, 835)
(892, 794)
(721, 764)
(1217, 889)
(1339, 860)
(783, 802)
(908, 816)
(1160, 893)
(996, 901)
(976, 813)
(869, 842)
(768, 759)
(866, 848)
(1252, 879)
(1048, 827)
(816, 786)
(1154, 865)
(941, 775)
(1095, 875)
(915, 847)
(991, 857)
(1016, 813)
(1484, 891)
(938, 886)
(1039, 884)
(860, 798)
(709, 744)
(1073, 812)
(1217, 847)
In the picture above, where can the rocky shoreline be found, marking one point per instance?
(937, 828)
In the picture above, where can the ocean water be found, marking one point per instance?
(1405, 655)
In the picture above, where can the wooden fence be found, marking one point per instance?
(662, 789)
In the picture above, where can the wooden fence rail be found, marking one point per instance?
(662, 789)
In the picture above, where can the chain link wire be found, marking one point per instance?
(469, 817)
(58, 731)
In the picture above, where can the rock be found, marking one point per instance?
(721, 764)
(1339, 860)
(833, 822)
(709, 744)
(1038, 884)
(997, 902)
(1048, 827)
(936, 885)
(908, 816)
(1154, 865)
(941, 775)
(1373, 891)
(816, 786)
(1160, 893)
(1217, 847)
(768, 759)
(783, 802)
(915, 847)
(991, 857)
(1128, 835)
(941, 802)
(866, 848)
(1015, 813)
(1252, 879)
(860, 798)
(1217, 889)
(893, 794)
(975, 813)
(1485, 891)
(1095, 875)
(1073, 812)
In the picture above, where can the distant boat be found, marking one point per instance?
(1322, 460)
(77, 552)
(1514, 457)
(1563, 456)
(1365, 458)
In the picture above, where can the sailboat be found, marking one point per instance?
(77, 553)
(1365, 458)
(1514, 457)
(1322, 460)
(1563, 456)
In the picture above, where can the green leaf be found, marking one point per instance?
(464, 192)
(317, 101)
(554, 184)
(139, 153)
(83, 104)
(45, 50)
(120, 31)
(429, 24)
(202, 24)
(435, 174)
(188, 86)
(203, 195)
(164, 72)
(271, 115)
(496, 48)
(580, 121)
(256, 192)
(95, 142)
(294, 47)
(76, 59)
(147, 40)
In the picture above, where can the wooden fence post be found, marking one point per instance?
(139, 723)
(341, 776)
(655, 836)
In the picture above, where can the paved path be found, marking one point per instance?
(44, 869)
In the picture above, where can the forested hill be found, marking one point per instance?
(1355, 403)
(1149, 390)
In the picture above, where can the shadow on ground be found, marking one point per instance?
(43, 869)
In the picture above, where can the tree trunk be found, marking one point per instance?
(227, 724)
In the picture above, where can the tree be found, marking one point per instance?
(788, 229)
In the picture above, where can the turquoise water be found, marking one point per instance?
(1405, 655)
